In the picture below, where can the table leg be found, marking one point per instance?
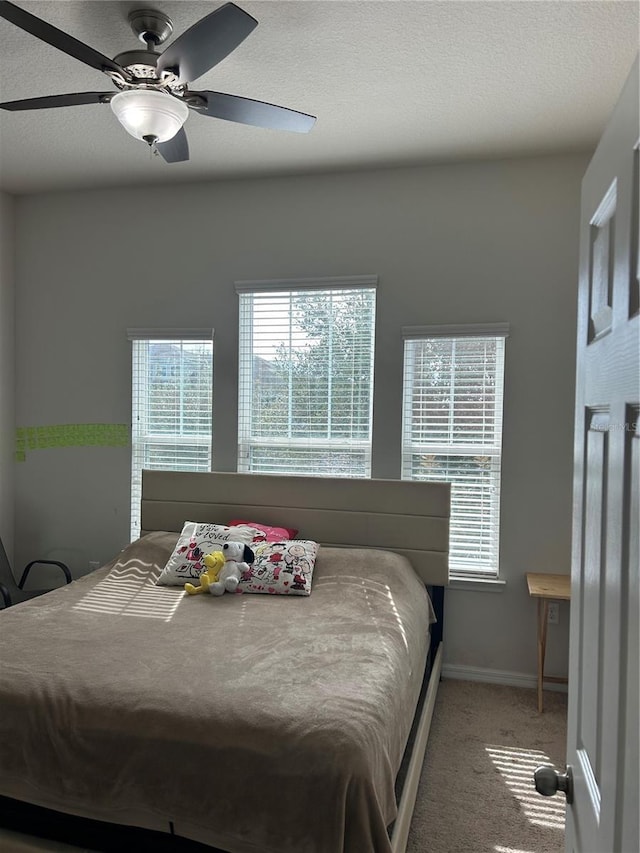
(543, 612)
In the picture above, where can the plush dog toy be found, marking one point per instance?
(237, 557)
(214, 563)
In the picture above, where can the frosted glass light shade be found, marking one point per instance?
(149, 115)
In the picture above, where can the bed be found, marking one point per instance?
(247, 723)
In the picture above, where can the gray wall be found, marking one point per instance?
(7, 383)
(483, 242)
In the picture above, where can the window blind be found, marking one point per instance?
(172, 387)
(452, 431)
(306, 379)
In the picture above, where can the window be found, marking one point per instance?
(306, 376)
(452, 431)
(172, 385)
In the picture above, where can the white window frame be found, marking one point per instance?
(488, 566)
(245, 367)
(139, 440)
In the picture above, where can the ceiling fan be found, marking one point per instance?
(154, 98)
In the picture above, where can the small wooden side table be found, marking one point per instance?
(546, 587)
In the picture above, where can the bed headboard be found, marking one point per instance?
(406, 516)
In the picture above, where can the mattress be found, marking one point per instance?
(247, 722)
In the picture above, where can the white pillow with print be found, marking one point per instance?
(281, 568)
(195, 542)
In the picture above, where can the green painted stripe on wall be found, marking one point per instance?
(70, 435)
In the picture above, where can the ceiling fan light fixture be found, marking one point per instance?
(149, 115)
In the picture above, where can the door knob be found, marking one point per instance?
(549, 782)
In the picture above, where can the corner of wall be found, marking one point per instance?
(7, 369)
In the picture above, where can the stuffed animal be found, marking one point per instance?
(214, 563)
(237, 558)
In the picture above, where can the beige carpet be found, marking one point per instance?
(476, 792)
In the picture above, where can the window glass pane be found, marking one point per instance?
(171, 410)
(322, 461)
(454, 398)
(306, 381)
(452, 431)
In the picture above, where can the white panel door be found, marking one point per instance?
(602, 745)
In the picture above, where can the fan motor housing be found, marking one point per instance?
(152, 28)
(141, 63)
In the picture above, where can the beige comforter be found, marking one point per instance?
(253, 723)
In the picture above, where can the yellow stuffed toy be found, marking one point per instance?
(214, 563)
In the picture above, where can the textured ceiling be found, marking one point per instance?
(392, 83)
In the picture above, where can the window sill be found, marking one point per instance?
(477, 584)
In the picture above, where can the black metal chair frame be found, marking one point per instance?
(19, 593)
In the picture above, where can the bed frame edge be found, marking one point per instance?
(410, 789)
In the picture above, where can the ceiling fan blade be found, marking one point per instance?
(175, 150)
(256, 113)
(58, 39)
(50, 101)
(207, 42)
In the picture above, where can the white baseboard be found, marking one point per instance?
(497, 676)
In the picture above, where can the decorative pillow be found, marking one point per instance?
(281, 568)
(272, 534)
(195, 542)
